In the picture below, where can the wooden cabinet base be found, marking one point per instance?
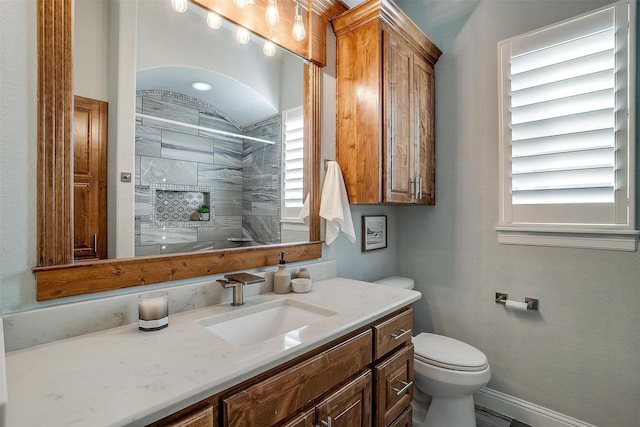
(361, 379)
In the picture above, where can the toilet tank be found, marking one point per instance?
(396, 282)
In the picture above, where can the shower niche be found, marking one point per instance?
(181, 206)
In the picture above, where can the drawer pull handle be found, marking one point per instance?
(405, 387)
(402, 333)
(326, 423)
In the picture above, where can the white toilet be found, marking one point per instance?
(447, 372)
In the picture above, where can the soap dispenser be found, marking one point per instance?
(282, 278)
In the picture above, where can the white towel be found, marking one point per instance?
(304, 211)
(334, 205)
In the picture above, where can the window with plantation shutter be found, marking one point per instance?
(293, 162)
(567, 133)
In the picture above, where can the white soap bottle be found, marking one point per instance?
(282, 278)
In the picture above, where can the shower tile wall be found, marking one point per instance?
(244, 177)
(261, 189)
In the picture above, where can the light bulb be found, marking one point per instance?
(214, 21)
(179, 6)
(241, 3)
(298, 31)
(268, 48)
(272, 15)
(242, 35)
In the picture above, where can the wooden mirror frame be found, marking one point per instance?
(56, 275)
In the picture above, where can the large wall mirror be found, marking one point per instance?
(221, 148)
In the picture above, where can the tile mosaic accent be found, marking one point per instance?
(178, 205)
(173, 205)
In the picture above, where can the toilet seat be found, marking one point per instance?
(448, 353)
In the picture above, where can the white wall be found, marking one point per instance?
(91, 48)
(18, 68)
(580, 354)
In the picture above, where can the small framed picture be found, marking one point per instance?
(374, 232)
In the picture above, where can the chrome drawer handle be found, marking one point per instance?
(401, 334)
(403, 389)
(326, 423)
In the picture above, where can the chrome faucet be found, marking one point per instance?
(237, 282)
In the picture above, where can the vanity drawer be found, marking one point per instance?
(404, 420)
(282, 395)
(394, 386)
(392, 333)
(202, 417)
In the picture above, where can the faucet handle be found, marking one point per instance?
(244, 278)
(226, 283)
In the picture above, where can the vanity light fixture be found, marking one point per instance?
(271, 14)
(179, 6)
(242, 35)
(298, 33)
(243, 3)
(268, 48)
(201, 86)
(214, 21)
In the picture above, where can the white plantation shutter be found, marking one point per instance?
(293, 161)
(566, 131)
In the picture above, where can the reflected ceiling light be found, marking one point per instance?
(201, 86)
(242, 3)
(242, 35)
(271, 14)
(268, 48)
(214, 21)
(179, 6)
(298, 33)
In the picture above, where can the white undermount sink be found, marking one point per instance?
(285, 318)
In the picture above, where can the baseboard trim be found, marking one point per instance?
(526, 412)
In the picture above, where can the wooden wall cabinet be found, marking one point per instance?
(385, 140)
(362, 379)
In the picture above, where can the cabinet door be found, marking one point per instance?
(394, 386)
(350, 406)
(89, 179)
(358, 112)
(424, 122)
(399, 148)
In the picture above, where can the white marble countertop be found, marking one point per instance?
(126, 377)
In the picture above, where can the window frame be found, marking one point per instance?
(290, 214)
(619, 236)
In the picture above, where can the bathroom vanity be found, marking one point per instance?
(350, 359)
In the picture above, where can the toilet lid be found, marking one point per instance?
(396, 282)
(448, 353)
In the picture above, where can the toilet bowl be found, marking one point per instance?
(446, 374)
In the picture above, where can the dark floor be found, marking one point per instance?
(487, 418)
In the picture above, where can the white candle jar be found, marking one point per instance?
(153, 311)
